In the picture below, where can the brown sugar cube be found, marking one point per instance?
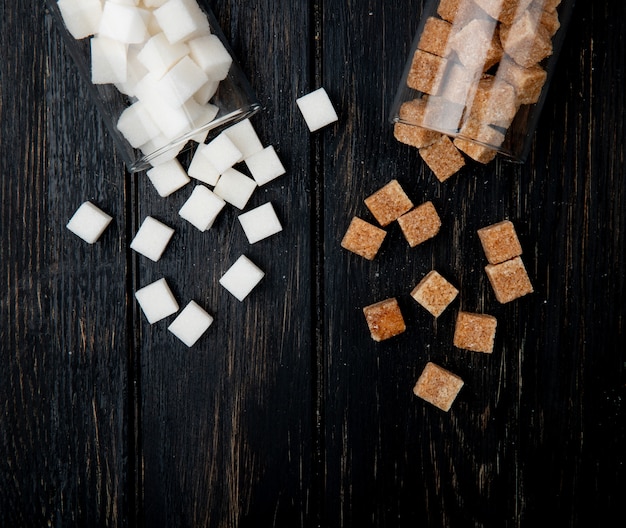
(388, 203)
(526, 41)
(500, 242)
(411, 130)
(459, 85)
(363, 238)
(477, 44)
(459, 12)
(384, 319)
(434, 293)
(495, 102)
(420, 224)
(504, 10)
(438, 386)
(476, 151)
(479, 141)
(550, 21)
(426, 73)
(443, 158)
(528, 82)
(475, 332)
(434, 37)
(509, 279)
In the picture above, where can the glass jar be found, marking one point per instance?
(478, 72)
(161, 73)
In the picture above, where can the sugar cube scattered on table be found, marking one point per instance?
(475, 332)
(222, 153)
(420, 224)
(443, 158)
(168, 177)
(317, 109)
(201, 167)
(363, 238)
(388, 203)
(242, 277)
(500, 241)
(235, 188)
(89, 222)
(384, 319)
(245, 138)
(136, 125)
(156, 300)
(81, 17)
(191, 323)
(202, 207)
(260, 223)
(438, 386)
(152, 238)
(265, 165)
(434, 293)
(509, 279)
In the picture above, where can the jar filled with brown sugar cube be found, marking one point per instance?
(478, 72)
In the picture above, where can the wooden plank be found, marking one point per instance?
(227, 424)
(63, 344)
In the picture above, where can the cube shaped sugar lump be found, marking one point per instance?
(488, 135)
(528, 82)
(443, 158)
(123, 23)
(410, 130)
(317, 109)
(260, 223)
(476, 151)
(210, 54)
(235, 188)
(242, 277)
(181, 19)
(206, 92)
(459, 12)
(475, 332)
(549, 19)
(438, 386)
(427, 72)
(183, 80)
(443, 114)
(500, 241)
(265, 165)
(495, 102)
(202, 207)
(136, 125)
(156, 301)
(135, 71)
(244, 137)
(527, 41)
(168, 177)
(222, 152)
(89, 222)
(503, 10)
(201, 168)
(363, 238)
(203, 114)
(420, 224)
(157, 55)
(384, 319)
(108, 61)
(152, 238)
(388, 203)
(477, 44)
(435, 36)
(509, 279)
(81, 17)
(459, 86)
(191, 323)
(434, 293)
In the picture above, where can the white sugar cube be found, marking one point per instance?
(222, 153)
(205, 115)
(168, 177)
(210, 54)
(201, 168)
(260, 222)
(242, 277)
(265, 165)
(109, 61)
(89, 222)
(136, 125)
(158, 55)
(152, 238)
(180, 19)
(235, 188)
(124, 23)
(135, 71)
(202, 207)
(317, 109)
(206, 91)
(190, 323)
(183, 80)
(156, 300)
(81, 17)
(244, 137)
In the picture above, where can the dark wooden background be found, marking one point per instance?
(286, 413)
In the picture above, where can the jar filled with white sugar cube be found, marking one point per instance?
(476, 79)
(161, 72)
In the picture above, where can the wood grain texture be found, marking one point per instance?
(286, 413)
